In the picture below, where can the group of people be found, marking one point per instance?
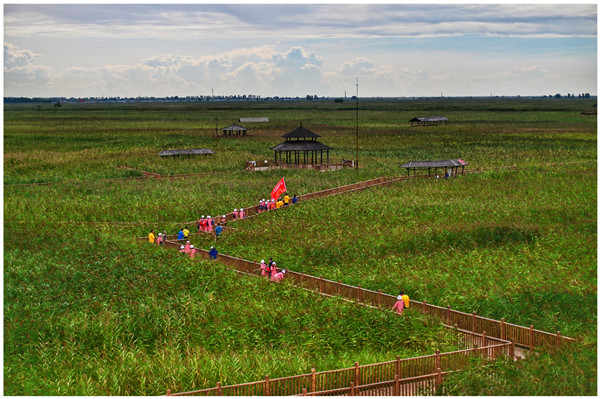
(268, 205)
(190, 250)
(270, 270)
(160, 239)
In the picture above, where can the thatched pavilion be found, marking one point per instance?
(301, 146)
(234, 129)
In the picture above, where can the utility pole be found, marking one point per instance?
(357, 122)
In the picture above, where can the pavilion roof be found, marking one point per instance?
(301, 146)
(299, 133)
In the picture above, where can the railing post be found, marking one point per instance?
(219, 390)
(356, 374)
(438, 378)
(379, 299)
(558, 338)
(438, 360)
(531, 337)
(396, 385)
(398, 371)
(448, 315)
(352, 389)
(511, 350)
(267, 386)
(359, 293)
(474, 322)
(502, 333)
(313, 380)
(168, 392)
(321, 284)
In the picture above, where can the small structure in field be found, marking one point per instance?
(254, 120)
(188, 152)
(429, 121)
(451, 164)
(301, 147)
(234, 129)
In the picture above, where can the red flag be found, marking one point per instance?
(278, 189)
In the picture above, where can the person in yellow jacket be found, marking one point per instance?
(151, 237)
(286, 200)
(186, 232)
(405, 299)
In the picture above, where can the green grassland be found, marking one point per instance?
(90, 311)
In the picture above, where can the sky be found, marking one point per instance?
(394, 50)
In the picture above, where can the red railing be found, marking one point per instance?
(406, 374)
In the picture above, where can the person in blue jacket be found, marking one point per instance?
(213, 253)
(180, 235)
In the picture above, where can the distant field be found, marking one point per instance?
(89, 311)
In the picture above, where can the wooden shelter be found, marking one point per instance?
(451, 164)
(429, 121)
(189, 152)
(234, 129)
(301, 146)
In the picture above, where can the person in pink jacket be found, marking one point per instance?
(182, 249)
(159, 239)
(242, 214)
(236, 214)
(187, 247)
(278, 276)
(209, 224)
(223, 219)
(264, 269)
(193, 251)
(399, 305)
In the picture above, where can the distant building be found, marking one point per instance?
(234, 129)
(301, 146)
(429, 121)
(253, 120)
(189, 152)
(450, 166)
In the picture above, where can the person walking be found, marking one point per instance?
(187, 247)
(295, 199)
(186, 233)
(180, 235)
(151, 237)
(399, 305)
(193, 251)
(159, 239)
(218, 231)
(273, 269)
(264, 269)
(286, 200)
(201, 223)
(405, 299)
(182, 249)
(242, 214)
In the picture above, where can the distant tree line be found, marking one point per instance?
(558, 95)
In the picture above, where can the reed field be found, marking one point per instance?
(90, 310)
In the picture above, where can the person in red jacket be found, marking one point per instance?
(201, 223)
(399, 305)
